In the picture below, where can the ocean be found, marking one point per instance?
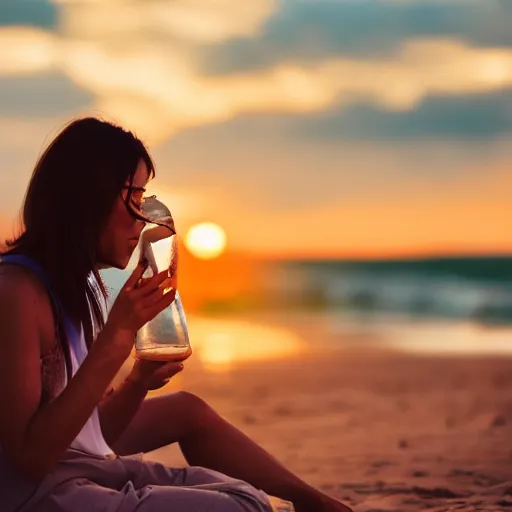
(464, 288)
(432, 305)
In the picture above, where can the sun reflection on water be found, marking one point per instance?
(221, 343)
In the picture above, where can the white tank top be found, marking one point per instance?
(90, 439)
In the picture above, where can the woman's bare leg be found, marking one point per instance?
(207, 440)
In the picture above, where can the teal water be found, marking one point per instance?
(470, 288)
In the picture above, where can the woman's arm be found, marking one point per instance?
(34, 437)
(119, 407)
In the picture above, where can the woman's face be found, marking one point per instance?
(122, 230)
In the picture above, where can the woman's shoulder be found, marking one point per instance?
(20, 283)
(24, 298)
(26, 315)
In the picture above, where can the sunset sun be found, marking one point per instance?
(206, 240)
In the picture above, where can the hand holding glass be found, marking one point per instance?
(165, 338)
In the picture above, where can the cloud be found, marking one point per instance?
(306, 31)
(145, 70)
(200, 21)
(175, 96)
(26, 50)
(468, 116)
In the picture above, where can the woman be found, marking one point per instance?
(67, 440)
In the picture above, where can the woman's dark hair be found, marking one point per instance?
(73, 189)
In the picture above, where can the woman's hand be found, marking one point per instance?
(139, 301)
(153, 375)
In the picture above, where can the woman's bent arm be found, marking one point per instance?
(35, 437)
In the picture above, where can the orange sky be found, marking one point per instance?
(465, 217)
(474, 224)
(471, 217)
(393, 141)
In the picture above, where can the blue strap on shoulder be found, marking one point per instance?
(25, 261)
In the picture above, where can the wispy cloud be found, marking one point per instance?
(27, 50)
(156, 90)
(192, 20)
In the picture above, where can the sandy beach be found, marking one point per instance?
(382, 429)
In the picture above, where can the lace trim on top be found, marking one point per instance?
(53, 372)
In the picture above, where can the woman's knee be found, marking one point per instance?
(197, 412)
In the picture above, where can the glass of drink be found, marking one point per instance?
(165, 338)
